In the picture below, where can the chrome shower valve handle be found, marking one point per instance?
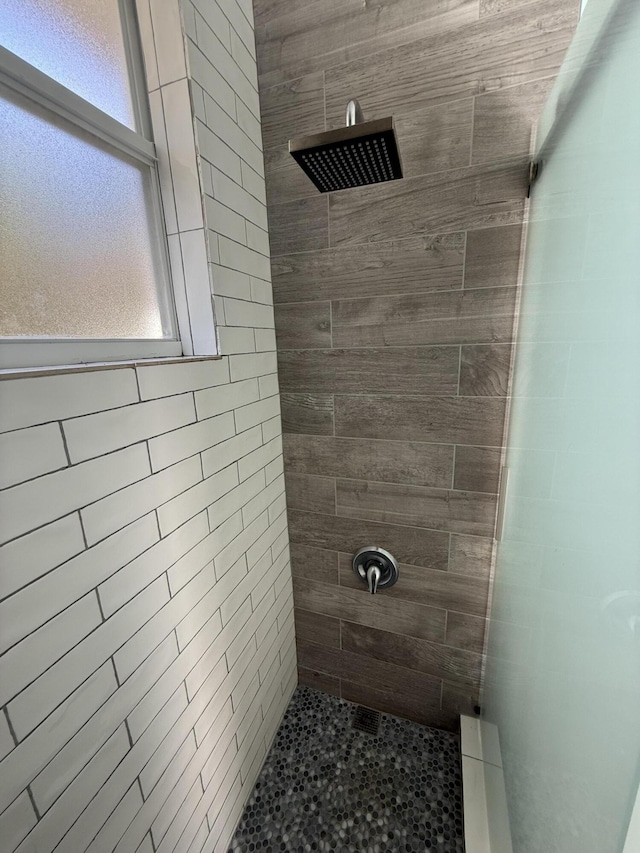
(373, 578)
(376, 568)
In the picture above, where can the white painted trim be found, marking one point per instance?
(44, 90)
(38, 353)
(167, 73)
(483, 783)
(182, 261)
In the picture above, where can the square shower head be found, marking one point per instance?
(355, 156)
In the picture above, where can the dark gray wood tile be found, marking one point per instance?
(499, 7)
(476, 197)
(294, 108)
(365, 669)
(419, 708)
(412, 265)
(306, 12)
(320, 35)
(468, 316)
(443, 590)
(310, 493)
(307, 413)
(484, 370)
(459, 698)
(308, 562)
(418, 506)
(412, 545)
(465, 632)
(430, 140)
(278, 158)
(435, 138)
(305, 325)
(490, 54)
(314, 627)
(493, 257)
(420, 655)
(377, 611)
(503, 120)
(405, 370)
(285, 180)
(471, 556)
(464, 420)
(388, 461)
(431, 587)
(319, 681)
(299, 226)
(477, 469)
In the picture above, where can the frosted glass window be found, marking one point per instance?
(79, 43)
(78, 241)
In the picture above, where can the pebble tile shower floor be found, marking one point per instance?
(325, 786)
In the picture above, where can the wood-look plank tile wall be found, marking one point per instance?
(394, 317)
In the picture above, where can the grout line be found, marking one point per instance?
(10, 725)
(113, 664)
(331, 323)
(64, 443)
(33, 802)
(443, 489)
(472, 130)
(135, 373)
(84, 537)
(432, 294)
(453, 469)
(102, 616)
(391, 347)
(324, 96)
(464, 261)
(151, 471)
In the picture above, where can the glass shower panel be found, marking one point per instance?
(563, 666)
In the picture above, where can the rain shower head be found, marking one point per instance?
(362, 153)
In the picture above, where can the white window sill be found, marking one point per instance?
(23, 372)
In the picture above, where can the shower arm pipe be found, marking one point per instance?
(354, 113)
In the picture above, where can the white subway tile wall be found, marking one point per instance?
(146, 617)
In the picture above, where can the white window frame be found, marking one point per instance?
(186, 280)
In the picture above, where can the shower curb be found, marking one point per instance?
(482, 771)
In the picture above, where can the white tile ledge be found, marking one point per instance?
(478, 777)
(27, 372)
